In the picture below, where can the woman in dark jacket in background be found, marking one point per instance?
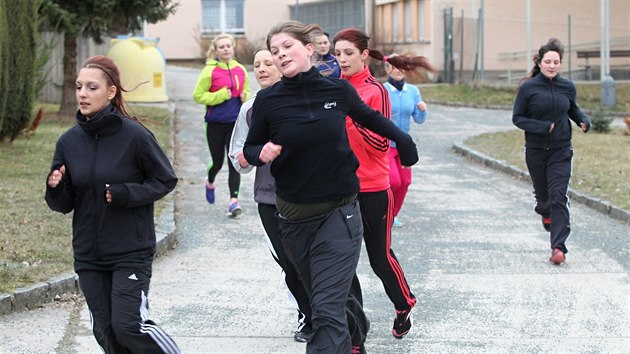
(544, 107)
(109, 170)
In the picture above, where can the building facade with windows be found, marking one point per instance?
(185, 34)
(494, 39)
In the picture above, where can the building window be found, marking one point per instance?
(222, 16)
(421, 20)
(395, 22)
(408, 21)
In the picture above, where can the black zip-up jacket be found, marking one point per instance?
(115, 150)
(306, 115)
(541, 101)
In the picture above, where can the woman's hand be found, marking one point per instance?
(54, 178)
(243, 96)
(269, 152)
(422, 106)
(241, 159)
(108, 195)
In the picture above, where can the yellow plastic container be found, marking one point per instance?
(141, 67)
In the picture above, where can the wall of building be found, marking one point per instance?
(179, 35)
(505, 29)
(261, 15)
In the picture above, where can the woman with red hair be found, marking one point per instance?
(109, 170)
(375, 196)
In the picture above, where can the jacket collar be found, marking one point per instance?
(359, 77)
(302, 78)
(214, 62)
(106, 122)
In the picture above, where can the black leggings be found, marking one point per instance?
(218, 136)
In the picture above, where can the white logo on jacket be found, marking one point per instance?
(329, 105)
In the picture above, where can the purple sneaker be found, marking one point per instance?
(234, 210)
(209, 193)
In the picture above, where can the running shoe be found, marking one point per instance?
(557, 257)
(234, 210)
(402, 323)
(209, 193)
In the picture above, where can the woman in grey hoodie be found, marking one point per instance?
(265, 195)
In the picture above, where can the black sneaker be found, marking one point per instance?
(402, 323)
(303, 334)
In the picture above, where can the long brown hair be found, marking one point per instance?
(112, 76)
(401, 62)
(552, 45)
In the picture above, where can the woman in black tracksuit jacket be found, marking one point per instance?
(544, 106)
(299, 126)
(109, 170)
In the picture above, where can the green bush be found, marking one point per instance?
(4, 66)
(18, 72)
(600, 121)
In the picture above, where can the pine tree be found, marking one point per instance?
(19, 52)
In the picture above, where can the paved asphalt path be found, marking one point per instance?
(474, 253)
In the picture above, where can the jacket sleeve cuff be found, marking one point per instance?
(120, 195)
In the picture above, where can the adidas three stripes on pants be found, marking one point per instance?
(118, 304)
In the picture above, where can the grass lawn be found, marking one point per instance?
(588, 95)
(601, 162)
(35, 242)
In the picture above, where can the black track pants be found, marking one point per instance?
(550, 171)
(377, 211)
(119, 313)
(325, 251)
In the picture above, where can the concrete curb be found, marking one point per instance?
(600, 205)
(42, 293)
(509, 108)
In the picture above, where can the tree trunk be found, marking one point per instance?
(68, 99)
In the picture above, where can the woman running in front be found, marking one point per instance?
(298, 125)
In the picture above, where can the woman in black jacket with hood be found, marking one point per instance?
(544, 107)
(109, 170)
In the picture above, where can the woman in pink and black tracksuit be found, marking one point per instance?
(223, 86)
(375, 197)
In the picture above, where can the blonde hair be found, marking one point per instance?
(213, 48)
